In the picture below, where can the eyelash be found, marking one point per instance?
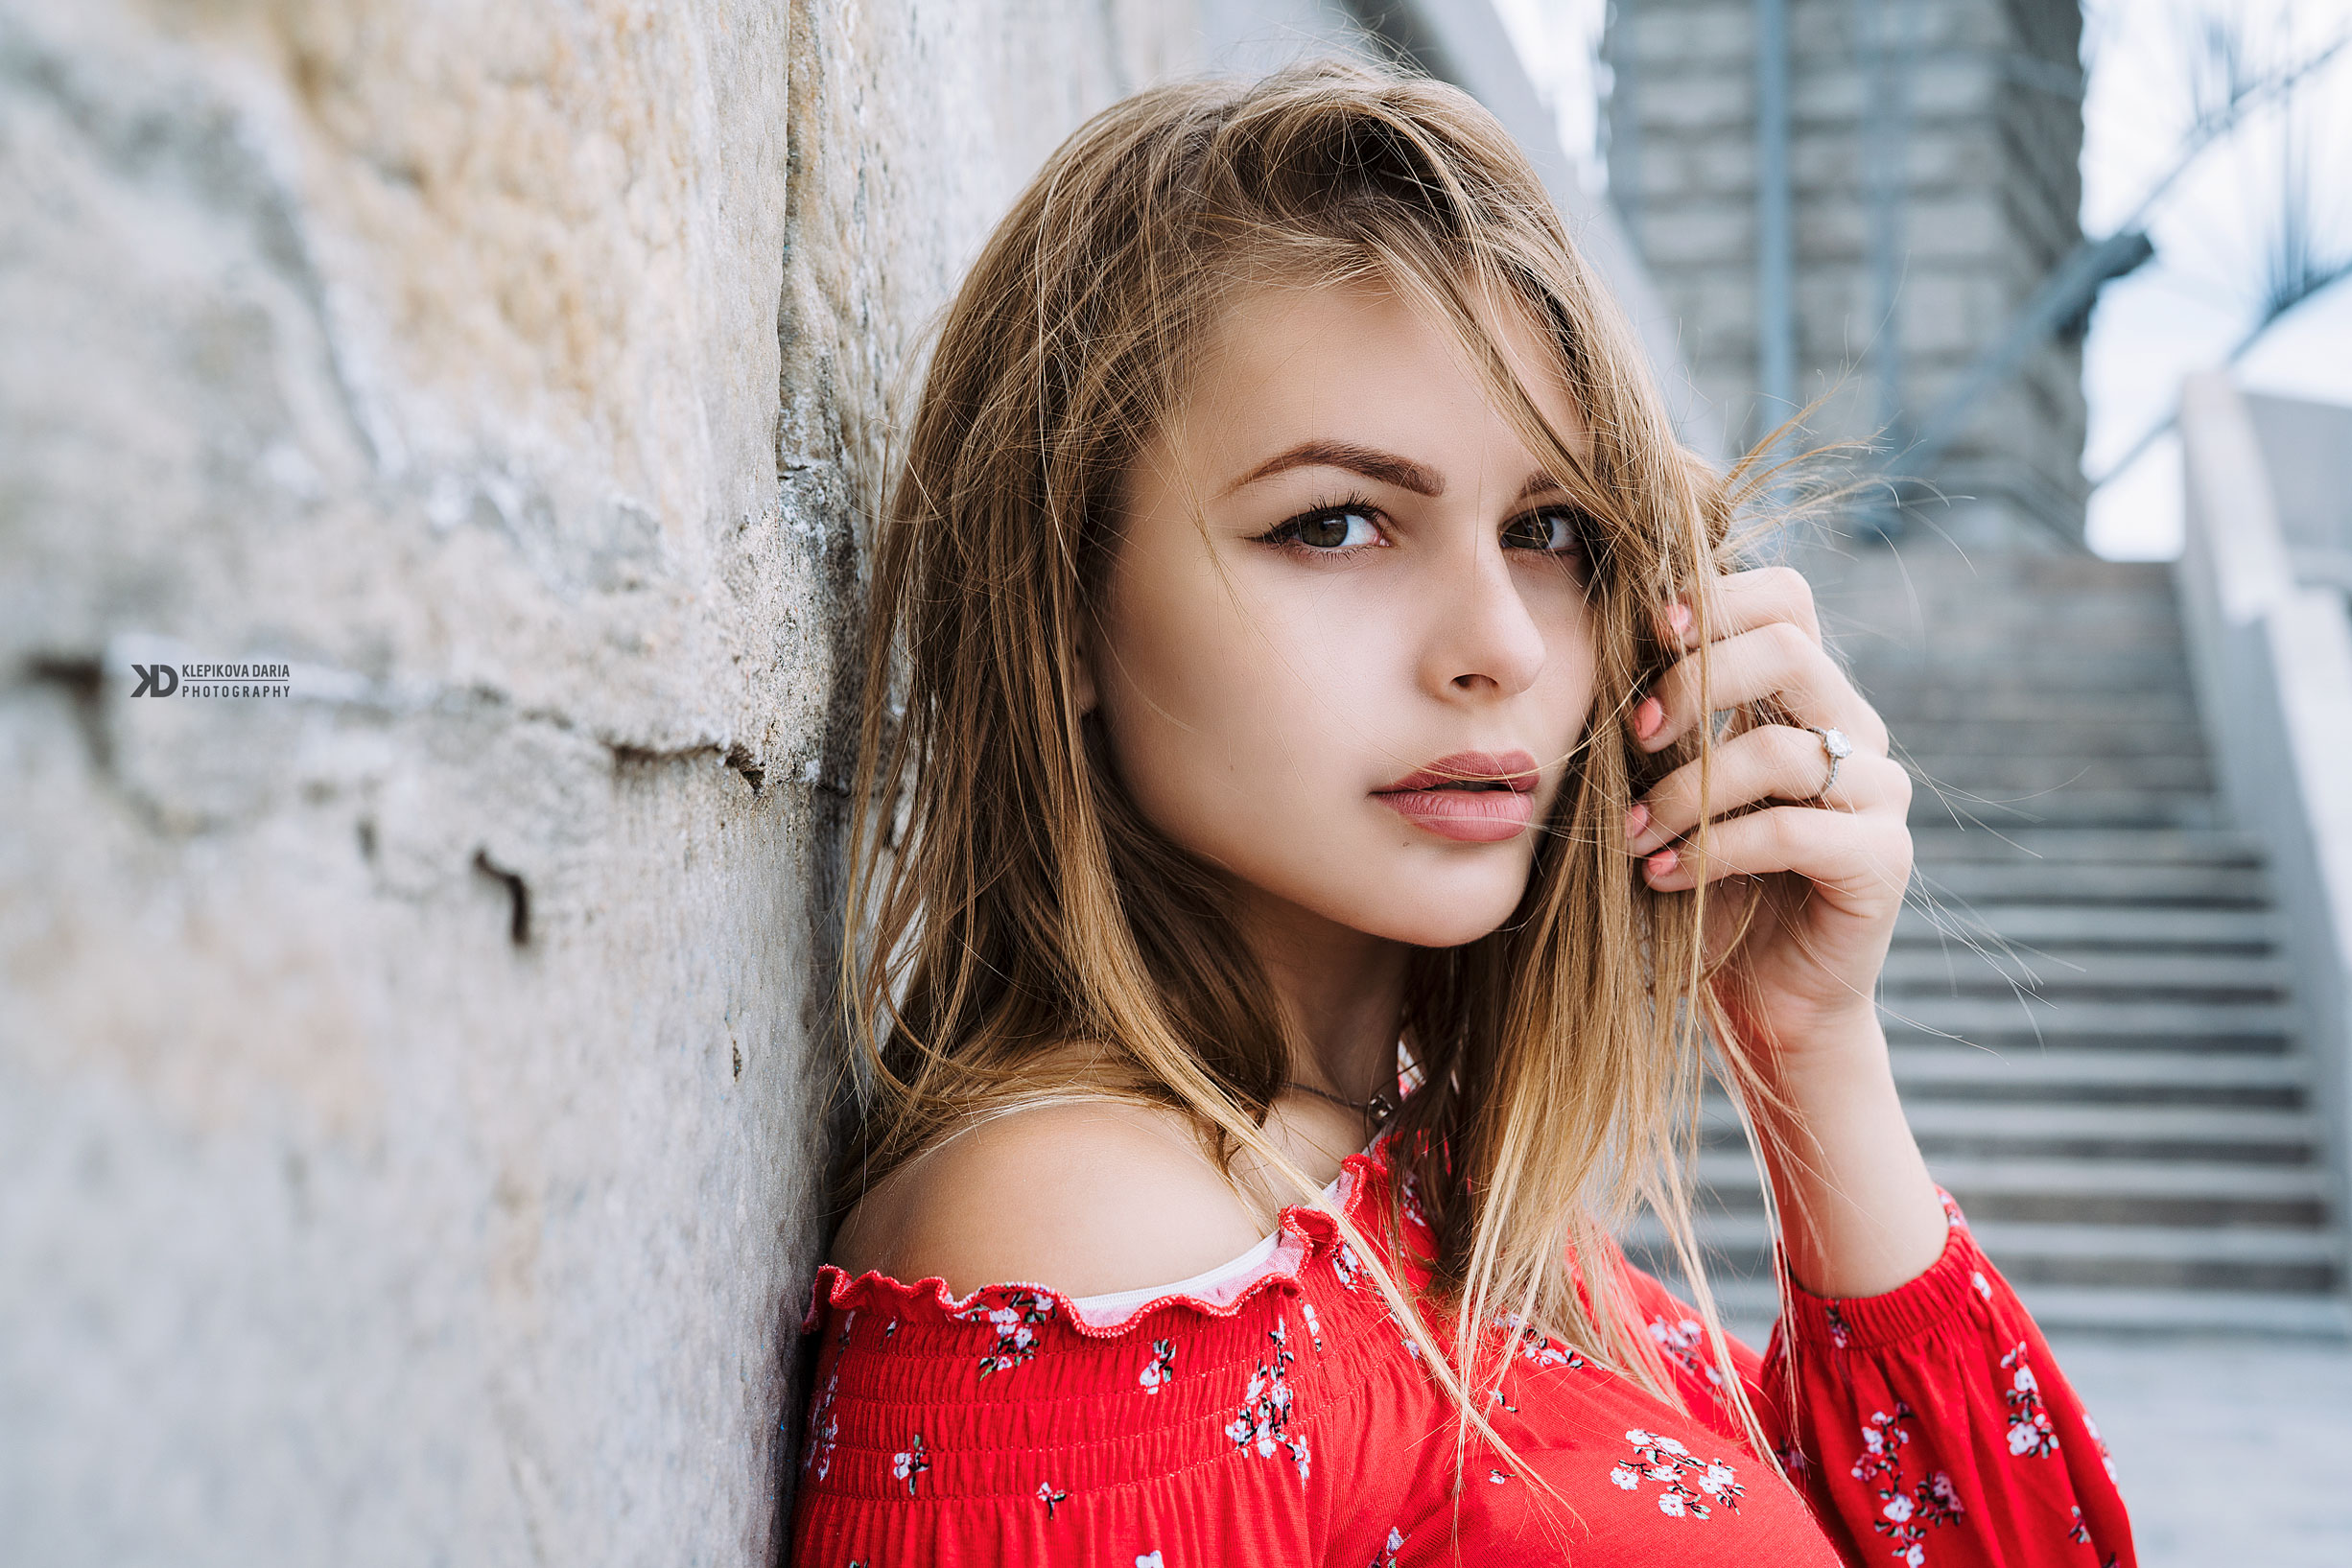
(1285, 535)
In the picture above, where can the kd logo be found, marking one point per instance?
(156, 680)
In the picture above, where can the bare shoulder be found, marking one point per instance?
(1085, 1197)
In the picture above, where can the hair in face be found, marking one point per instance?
(1021, 905)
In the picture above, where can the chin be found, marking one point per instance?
(1423, 912)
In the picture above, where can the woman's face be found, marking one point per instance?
(1345, 591)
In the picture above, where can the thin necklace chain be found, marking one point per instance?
(1379, 1107)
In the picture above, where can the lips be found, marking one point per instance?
(1475, 797)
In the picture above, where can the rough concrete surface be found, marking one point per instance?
(410, 1088)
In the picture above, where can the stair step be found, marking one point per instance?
(2041, 711)
(1977, 1018)
(2014, 1243)
(2121, 1124)
(1943, 802)
(2301, 1316)
(2019, 772)
(1749, 1307)
(2133, 846)
(1726, 1171)
(2094, 882)
(1895, 683)
(2255, 1130)
(2054, 1071)
(2092, 733)
(2064, 970)
(2086, 925)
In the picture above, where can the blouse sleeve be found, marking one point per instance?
(1930, 1426)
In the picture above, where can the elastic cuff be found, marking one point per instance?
(1867, 1323)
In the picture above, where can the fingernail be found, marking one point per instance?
(1678, 616)
(1648, 714)
(1637, 823)
(1663, 863)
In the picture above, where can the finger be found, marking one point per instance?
(1741, 601)
(1862, 859)
(1774, 762)
(1775, 659)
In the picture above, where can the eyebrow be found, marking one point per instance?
(1369, 461)
(1386, 467)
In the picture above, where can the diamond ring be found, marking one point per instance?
(1837, 748)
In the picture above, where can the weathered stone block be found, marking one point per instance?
(410, 1094)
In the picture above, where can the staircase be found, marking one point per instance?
(2091, 1020)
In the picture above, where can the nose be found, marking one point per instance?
(1483, 641)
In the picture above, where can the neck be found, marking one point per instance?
(1341, 991)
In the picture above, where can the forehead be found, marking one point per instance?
(1304, 359)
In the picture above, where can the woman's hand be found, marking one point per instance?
(1822, 864)
(1834, 861)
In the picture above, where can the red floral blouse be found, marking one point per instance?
(1272, 1412)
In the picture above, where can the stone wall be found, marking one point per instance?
(1983, 154)
(409, 1087)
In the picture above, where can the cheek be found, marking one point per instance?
(1221, 713)
(1569, 689)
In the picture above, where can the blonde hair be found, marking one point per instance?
(1010, 900)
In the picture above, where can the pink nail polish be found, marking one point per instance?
(1636, 822)
(1648, 714)
(1663, 863)
(1678, 616)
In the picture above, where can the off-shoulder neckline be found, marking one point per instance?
(1301, 1232)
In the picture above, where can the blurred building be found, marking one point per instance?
(1851, 202)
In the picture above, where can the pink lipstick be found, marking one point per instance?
(1476, 797)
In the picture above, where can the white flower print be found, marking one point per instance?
(1984, 1286)
(1148, 1559)
(2091, 1428)
(1263, 1419)
(1907, 1512)
(1047, 1495)
(849, 1320)
(1386, 1556)
(1015, 1322)
(1693, 1486)
(1684, 1341)
(908, 1466)
(1409, 1200)
(823, 1428)
(2030, 1433)
(1537, 1346)
(1496, 1477)
(1314, 1328)
(1345, 1264)
(1158, 1372)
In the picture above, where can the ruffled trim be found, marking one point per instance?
(1305, 1231)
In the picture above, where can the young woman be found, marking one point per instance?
(1342, 783)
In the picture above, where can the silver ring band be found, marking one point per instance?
(1838, 749)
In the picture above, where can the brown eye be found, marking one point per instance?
(1342, 528)
(1553, 530)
